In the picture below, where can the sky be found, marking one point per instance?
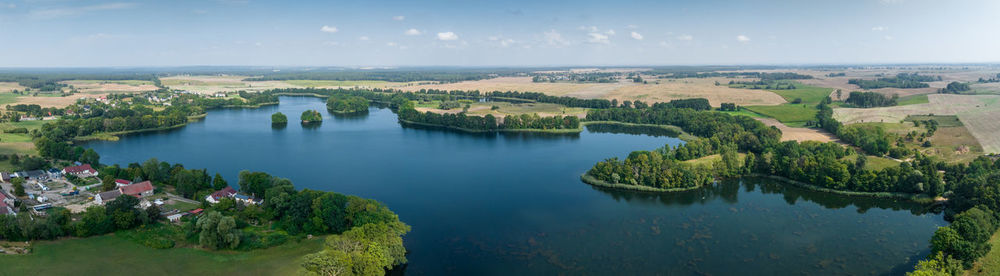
(82, 33)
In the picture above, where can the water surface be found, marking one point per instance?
(503, 204)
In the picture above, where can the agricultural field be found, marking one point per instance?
(345, 84)
(19, 143)
(657, 90)
(808, 94)
(800, 134)
(89, 256)
(51, 100)
(795, 115)
(978, 113)
(952, 142)
(214, 84)
(10, 86)
(103, 86)
(505, 108)
(913, 99)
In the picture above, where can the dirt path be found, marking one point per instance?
(797, 133)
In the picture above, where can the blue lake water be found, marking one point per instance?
(503, 204)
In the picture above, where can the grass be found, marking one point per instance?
(811, 95)
(744, 112)
(874, 162)
(116, 254)
(942, 120)
(793, 115)
(8, 98)
(913, 99)
(989, 264)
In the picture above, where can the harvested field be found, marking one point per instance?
(56, 101)
(215, 84)
(798, 133)
(666, 90)
(99, 86)
(10, 86)
(979, 114)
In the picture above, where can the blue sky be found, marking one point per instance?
(75, 33)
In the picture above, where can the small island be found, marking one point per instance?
(279, 119)
(311, 117)
(340, 104)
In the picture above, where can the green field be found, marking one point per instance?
(989, 264)
(809, 94)
(19, 143)
(330, 83)
(914, 99)
(111, 254)
(794, 115)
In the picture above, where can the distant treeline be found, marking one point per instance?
(901, 80)
(760, 75)
(955, 88)
(380, 75)
(870, 99)
(50, 81)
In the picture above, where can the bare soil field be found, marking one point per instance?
(979, 113)
(666, 90)
(10, 86)
(214, 84)
(798, 133)
(87, 86)
(55, 101)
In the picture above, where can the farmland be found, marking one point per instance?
(665, 90)
(101, 86)
(978, 113)
(790, 114)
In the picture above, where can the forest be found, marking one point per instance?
(347, 104)
(311, 116)
(955, 88)
(901, 80)
(870, 99)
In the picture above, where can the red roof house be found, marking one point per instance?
(139, 190)
(217, 195)
(122, 182)
(81, 170)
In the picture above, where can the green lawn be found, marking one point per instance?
(914, 99)
(111, 254)
(809, 94)
(744, 112)
(989, 264)
(795, 115)
(874, 162)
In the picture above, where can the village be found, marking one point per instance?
(45, 189)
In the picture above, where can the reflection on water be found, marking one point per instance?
(632, 129)
(513, 204)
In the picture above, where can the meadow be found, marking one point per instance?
(794, 115)
(89, 256)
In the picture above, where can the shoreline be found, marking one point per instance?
(587, 178)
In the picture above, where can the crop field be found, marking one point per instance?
(913, 99)
(91, 86)
(795, 115)
(664, 91)
(952, 142)
(96, 255)
(798, 133)
(978, 113)
(808, 94)
(345, 84)
(54, 100)
(504, 109)
(214, 84)
(10, 86)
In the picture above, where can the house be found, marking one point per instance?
(36, 175)
(80, 171)
(5, 204)
(245, 199)
(122, 182)
(104, 197)
(196, 211)
(55, 173)
(220, 194)
(140, 190)
(175, 217)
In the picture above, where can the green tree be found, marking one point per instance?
(18, 183)
(219, 183)
(217, 231)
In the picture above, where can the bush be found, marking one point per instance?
(16, 130)
(797, 101)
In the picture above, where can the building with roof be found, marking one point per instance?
(245, 199)
(80, 171)
(103, 198)
(220, 194)
(140, 190)
(36, 175)
(122, 182)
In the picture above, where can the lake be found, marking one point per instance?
(503, 204)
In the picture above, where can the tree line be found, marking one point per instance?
(901, 80)
(870, 99)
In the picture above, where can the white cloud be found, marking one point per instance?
(879, 28)
(742, 38)
(685, 37)
(507, 42)
(364, 38)
(413, 32)
(610, 32)
(11, 5)
(664, 44)
(63, 12)
(597, 38)
(258, 44)
(328, 29)
(592, 29)
(553, 38)
(391, 44)
(636, 36)
(631, 26)
(399, 18)
(446, 36)
(889, 37)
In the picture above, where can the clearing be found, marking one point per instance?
(790, 114)
(798, 133)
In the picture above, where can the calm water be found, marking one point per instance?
(513, 203)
